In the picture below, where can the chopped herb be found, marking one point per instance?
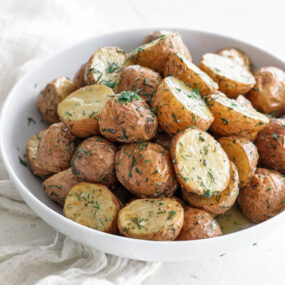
(31, 120)
(171, 214)
(22, 161)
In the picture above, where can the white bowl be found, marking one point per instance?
(15, 132)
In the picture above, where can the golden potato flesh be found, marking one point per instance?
(127, 118)
(141, 79)
(94, 161)
(268, 94)
(233, 79)
(198, 224)
(155, 35)
(271, 145)
(80, 110)
(219, 203)
(179, 106)
(145, 169)
(51, 96)
(151, 219)
(264, 196)
(201, 165)
(94, 206)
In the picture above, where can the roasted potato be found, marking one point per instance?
(243, 101)
(156, 53)
(201, 165)
(127, 118)
(268, 94)
(155, 35)
(198, 224)
(264, 196)
(78, 79)
(151, 219)
(179, 106)
(104, 67)
(271, 145)
(183, 69)
(219, 203)
(233, 79)
(51, 96)
(141, 79)
(235, 119)
(94, 161)
(163, 139)
(145, 169)
(35, 165)
(56, 148)
(58, 185)
(80, 110)
(237, 56)
(94, 206)
(244, 154)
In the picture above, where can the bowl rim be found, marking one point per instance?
(29, 197)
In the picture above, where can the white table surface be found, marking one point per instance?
(256, 21)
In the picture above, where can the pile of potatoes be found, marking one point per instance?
(151, 146)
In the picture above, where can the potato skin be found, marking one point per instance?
(94, 161)
(151, 219)
(155, 54)
(58, 185)
(78, 79)
(155, 35)
(244, 154)
(145, 169)
(268, 94)
(237, 56)
(163, 139)
(51, 96)
(219, 203)
(198, 224)
(264, 197)
(56, 148)
(144, 79)
(127, 121)
(271, 145)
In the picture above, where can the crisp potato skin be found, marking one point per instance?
(127, 121)
(231, 87)
(198, 224)
(94, 206)
(237, 56)
(151, 219)
(156, 54)
(34, 164)
(145, 169)
(78, 79)
(244, 154)
(173, 115)
(219, 203)
(58, 185)
(56, 148)
(51, 96)
(94, 161)
(268, 94)
(271, 145)
(264, 197)
(144, 79)
(234, 119)
(155, 35)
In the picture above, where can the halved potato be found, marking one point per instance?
(243, 101)
(244, 154)
(155, 35)
(183, 69)
(151, 219)
(201, 165)
(235, 119)
(80, 110)
(78, 79)
(233, 79)
(35, 165)
(104, 66)
(179, 106)
(94, 206)
(156, 53)
(219, 203)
